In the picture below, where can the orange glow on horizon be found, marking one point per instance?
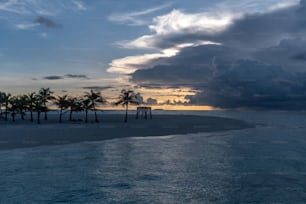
(165, 107)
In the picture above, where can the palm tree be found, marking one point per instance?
(87, 105)
(46, 95)
(39, 107)
(1, 101)
(75, 105)
(31, 98)
(6, 101)
(93, 99)
(72, 105)
(127, 97)
(13, 106)
(63, 104)
(21, 103)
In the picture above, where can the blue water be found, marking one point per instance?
(266, 164)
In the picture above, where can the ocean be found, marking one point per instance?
(266, 164)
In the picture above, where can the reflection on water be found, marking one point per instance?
(265, 164)
(166, 170)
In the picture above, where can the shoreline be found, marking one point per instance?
(24, 134)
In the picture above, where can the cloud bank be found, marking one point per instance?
(255, 60)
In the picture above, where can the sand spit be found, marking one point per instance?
(26, 134)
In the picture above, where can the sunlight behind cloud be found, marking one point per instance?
(128, 65)
(177, 21)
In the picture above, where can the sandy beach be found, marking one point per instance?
(26, 134)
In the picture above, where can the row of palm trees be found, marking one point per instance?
(37, 103)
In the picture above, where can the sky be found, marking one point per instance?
(205, 54)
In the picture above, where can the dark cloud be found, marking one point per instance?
(162, 74)
(72, 76)
(247, 33)
(289, 53)
(53, 77)
(76, 76)
(173, 102)
(261, 30)
(97, 87)
(261, 64)
(139, 98)
(300, 56)
(228, 82)
(251, 84)
(151, 101)
(46, 22)
(190, 68)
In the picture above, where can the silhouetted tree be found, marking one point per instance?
(6, 101)
(1, 101)
(13, 106)
(31, 98)
(46, 95)
(39, 107)
(62, 103)
(87, 105)
(75, 105)
(127, 97)
(38, 103)
(94, 98)
(21, 103)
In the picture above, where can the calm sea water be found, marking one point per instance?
(266, 164)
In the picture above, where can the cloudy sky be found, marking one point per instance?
(215, 53)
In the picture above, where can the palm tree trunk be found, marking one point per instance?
(31, 113)
(6, 111)
(96, 116)
(13, 116)
(38, 117)
(70, 116)
(45, 109)
(60, 119)
(46, 117)
(126, 112)
(86, 116)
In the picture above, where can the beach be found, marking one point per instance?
(21, 134)
(265, 164)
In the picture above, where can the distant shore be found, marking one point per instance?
(23, 134)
